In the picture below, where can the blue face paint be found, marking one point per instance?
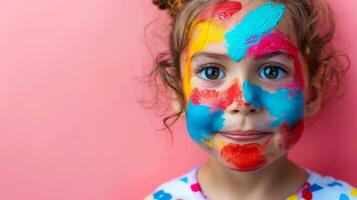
(252, 28)
(285, 105)
(202, 122)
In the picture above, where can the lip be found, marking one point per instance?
(245, 135)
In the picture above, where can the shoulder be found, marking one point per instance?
(182, 187)
(327, 187)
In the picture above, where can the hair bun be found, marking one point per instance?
(162, 4)
(171, 5)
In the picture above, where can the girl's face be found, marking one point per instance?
(243, 77)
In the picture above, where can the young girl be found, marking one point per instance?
(246, 74)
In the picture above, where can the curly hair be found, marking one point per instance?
(312, 20)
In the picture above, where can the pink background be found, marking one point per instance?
(71, 125)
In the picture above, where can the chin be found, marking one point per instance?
(249, 166)
(246, 168)
(247, 159)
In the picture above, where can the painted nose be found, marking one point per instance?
(244, 108)
(246, 102)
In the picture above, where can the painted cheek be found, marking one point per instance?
(284, 105)
(205, 111)
(290, 136)
(219, 100)
(286, 108)
(202, 123)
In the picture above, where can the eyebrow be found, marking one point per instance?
(273, 54)
(218, 56)
(204, 54)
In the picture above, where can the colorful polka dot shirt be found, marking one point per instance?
(317, 187)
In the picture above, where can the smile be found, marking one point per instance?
(241, 136)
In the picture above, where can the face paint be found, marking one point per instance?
(284, 105)
(220, 11)
(276, 42)
(219, 100)
(207, 32)
(254, 36)
(201, 122)
(245, 157)
(252, 28)
(290, 136)
(205, 111)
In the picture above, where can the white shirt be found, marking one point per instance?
(317, 187)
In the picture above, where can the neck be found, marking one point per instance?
(277, 180)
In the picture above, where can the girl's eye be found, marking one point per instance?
(211, 73)
(272, 72)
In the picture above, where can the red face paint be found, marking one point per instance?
(217, 99)
(245, 157)
(220, 11)
(277, 42)
(292, 136)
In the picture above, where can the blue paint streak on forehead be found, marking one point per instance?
(201, 122)
(285, 105)
(252, 28)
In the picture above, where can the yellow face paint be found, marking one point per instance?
(209, 143)
(206, 32)
(219, 143)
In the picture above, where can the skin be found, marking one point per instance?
(242, 99)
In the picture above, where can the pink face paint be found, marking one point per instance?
(276, 42)
(221, 100)
(220, 11)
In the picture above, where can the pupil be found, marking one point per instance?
(212, 73)
(271, 73)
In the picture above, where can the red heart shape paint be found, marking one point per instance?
(244, 157)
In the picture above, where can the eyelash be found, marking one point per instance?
(275, 66)
(210, 66)
(281, 69)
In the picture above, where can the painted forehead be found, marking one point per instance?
(239, 25)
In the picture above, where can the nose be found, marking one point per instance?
(246, 102)
(242, 108)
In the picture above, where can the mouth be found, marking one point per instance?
(241, 136)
